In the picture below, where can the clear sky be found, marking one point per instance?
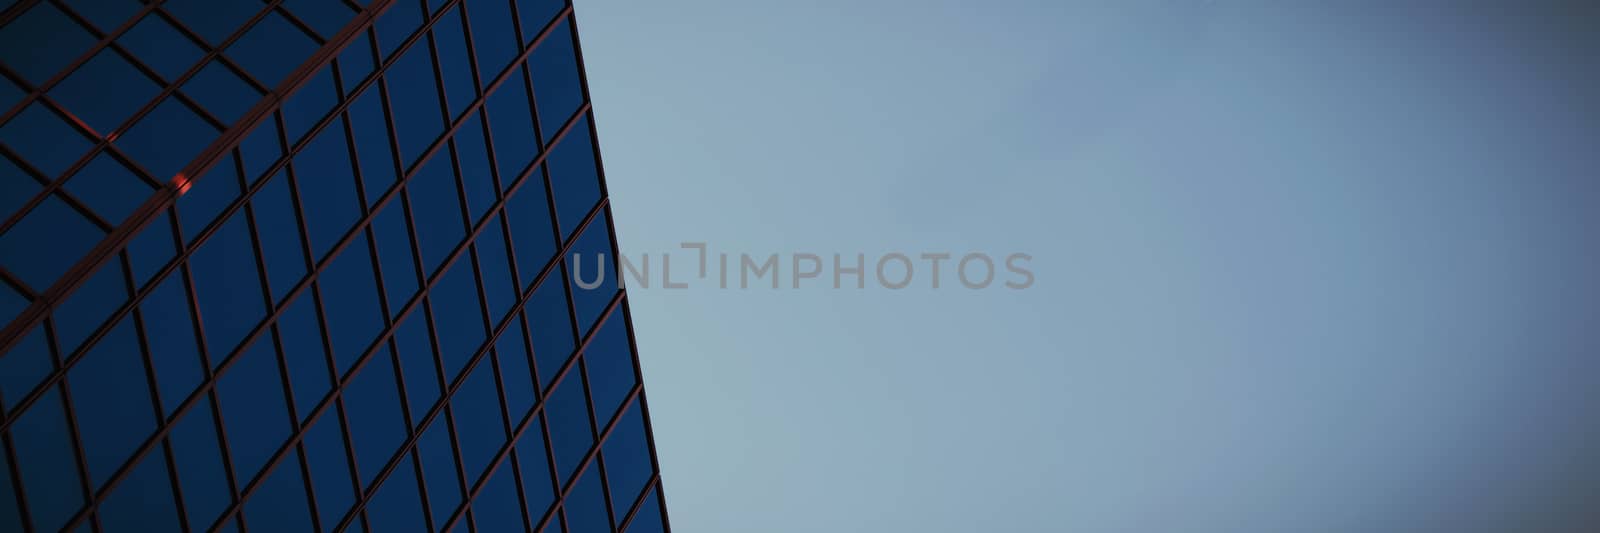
(1310, 269)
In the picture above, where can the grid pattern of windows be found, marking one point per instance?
(306, 265)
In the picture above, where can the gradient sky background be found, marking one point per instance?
(1311, 269)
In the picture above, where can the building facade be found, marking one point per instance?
(310, 265)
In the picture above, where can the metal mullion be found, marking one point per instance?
(103, 142)
(299, 24)
(209, 384)
(599, 441)
(16, 283)
(101, 42)
(154, 386)
(17, 488)
(10, 14)
(215, 52)
(163, 199)
(65, 195)
(186, 275)
(75, 436)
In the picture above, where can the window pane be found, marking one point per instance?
(10, 515)
(42, 138)
(169, 330)
(253, 409)
(42, 41)
(477, 179)
(496, 508)
(493, 36)
(83, 92)
(436, 210)
(227, 287)
(648, 519)
(511, 121)
(85, 310)
(551, 327)
(112, 401)
(222, 92)
(324, 16)
(327, 188)
(152, 248)
(200, 470)
(454, 63)
(24, 367)
(45, 462)
(574, 177)
(609, 362)
(627, 455)
(556, 86)
(213, 20)
(330, 470)
(376, 425)
(594, 273)
(586, 505)
(479, 426)
(396, 506)
(280, 503)
(456, 316)
(156, 43)
(397, 23)
(414, 102)
(394, 255)
(285, 258)
(143, 501)
(416, 362)
(309, 104)
(207, 197)
(355, 61)
(105, 14)
(303, 354)
(109, 188)
(529, 215)
(372, 144)
(537, 485)
(499, 286)
(261, 148)
(570, 434)
(167, 139)
(272, 49)
(350, 297)
(536, 14)
(439, 470)
(515, 375)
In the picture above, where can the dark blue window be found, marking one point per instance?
(396, 507)
(399, 22)
(272, 49)
(592, 261)
(285, 258)
(536, 14)
(439, 470)
(303, 354)
(494, 36)
(551, 327)
(227, 287)
(648, 519)
(416, 362)
(10, 94)
(143, 501)
(529, 216)
(152, 248)
(454, 63)
(394, 255)
(169, 330)
(537, 486)
(207, 197)
(570, 434)
(476, 178)
(376, 424)
(436, 209)
(327, 189)
(627, 455)
(355, 61)
(479, 426)
(309, 104)
(586, 505)
(512, 354)
(496, 508)
(324, 16)
(556, 87)
(156, 43)
(350, 297)
(500, 288)
(511, 122)
(253, 409)
(24, 367)
(609, 362)
(10, 515)
(83, 92)
(110, 189)
(45, 463)
(167, 139)
(280, 503)
(372, 144)
(457, 317)
(86, 309)
(261, 149)
(42, 138)
(112, 401)
(574, 177)
(200, 470)
(330, 470)
(414, 101)
(16, 186)
(222, 92)
(105, 14)
(46, 242)
(42, 41)
(213, 20)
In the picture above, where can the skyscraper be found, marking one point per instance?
(309, 265)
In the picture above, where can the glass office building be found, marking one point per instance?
(308, 265)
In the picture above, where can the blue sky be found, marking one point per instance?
(1298, 268)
